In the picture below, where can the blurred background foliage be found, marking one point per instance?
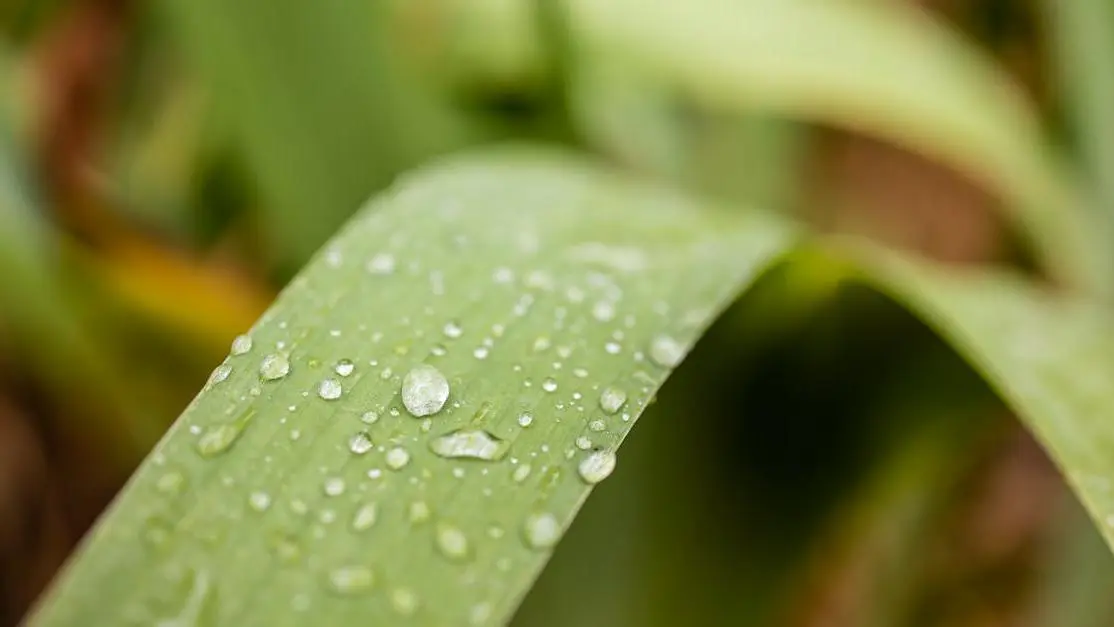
(165, 166)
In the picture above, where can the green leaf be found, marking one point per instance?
(878, 68)
(323, 114)
(538, 286)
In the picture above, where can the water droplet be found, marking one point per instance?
(597, 425)
(344, 367)
(397, 458)
(329, 389)
(171, 483)
(521, 473)
(541, 343)
(480, 352)
(452, 329)
(541, 531)
(612, 400)
(525, 420)
(480, 613)
(220, 373)
(612, 348)
(583, 443)
(549, 385)
(419, 512)
(603, 311)
(469, 443)
(404, 601)
(666, 351)
(424, 391)
(348, 580)
(597, 466)
(369, 417)
(580, 373)
(274, 366)
(451, 542)
(334, 486)
(383, 263)
(259, 501)
(386, 373)
(360, 443)
(218, 439)
(365, 517)
(241, 344)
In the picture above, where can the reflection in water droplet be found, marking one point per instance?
(451, 542)
(597, 466)
(330, 389)
(365, 517)
(218, 439)
(404, 601)
(612, 400)
(360, 443)
(274, 366)
(424, 391)
(240, 345)
(397, 458)
(541, 531)
(259, 501)
(344, 367)
(349, 580)
(666, 351)
(469, 443)
(220, 373)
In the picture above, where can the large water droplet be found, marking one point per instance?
(365, 517)
(469, 443)
(360, 443)
(451, 542)
(612, 400)
(218, 439)
(344, 367)
(397, 458)
(541, 531)
(424, 391)
(242, 344)
(597, 466)
(666, 351)
(404, 601)
(274, 366)
(349, 580)
(329, 389)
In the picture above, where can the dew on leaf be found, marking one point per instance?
(549, 385)
(469, 444)
(424, 391)
(382, 263)
(452, 542)
(666, 351)
(419, 512)
(218, 439)
(596, 466)
(344, 367)
(274, 366)
(612, 400)
(240, 345)
(334, 486)
(220, 373)
(330, 389)
(583, 443)
(259, 501)
(365, 517)
(369, 417)
(521, 473)
(541, 531)
(171, 483)
(360, 443)
(525, 420)
(597, 425)
(349, 580)
(397, 458)
(404, 601)
(452, 329)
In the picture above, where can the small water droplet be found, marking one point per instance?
(349, 580)
(397, 458)
(541, 531)
(549, 385)
(469, 443)
(242, 344)
(369, 417)
(612, 400)
(525, 420)
(419, 512)
(452, 542)
(541, 343)
(480, 352)
(612, 348)
(360, 443)
(583, 443)
(220, 373)
(382, 263)
(344, 367)
(274, 366)
(452, 329)
(597, 425)
(365, 517)
(334, 486)
(329, 389)
(386, 373)
(259, 501)
(480, 613)
(171, 483)
(603, 311)
(521, 473)
(218, 439)
(597, 466)
(580, 373)
(404, 601)
(666, 351)
(424, 391)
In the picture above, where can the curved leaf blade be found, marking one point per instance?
(538, 286)
(877, 68)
